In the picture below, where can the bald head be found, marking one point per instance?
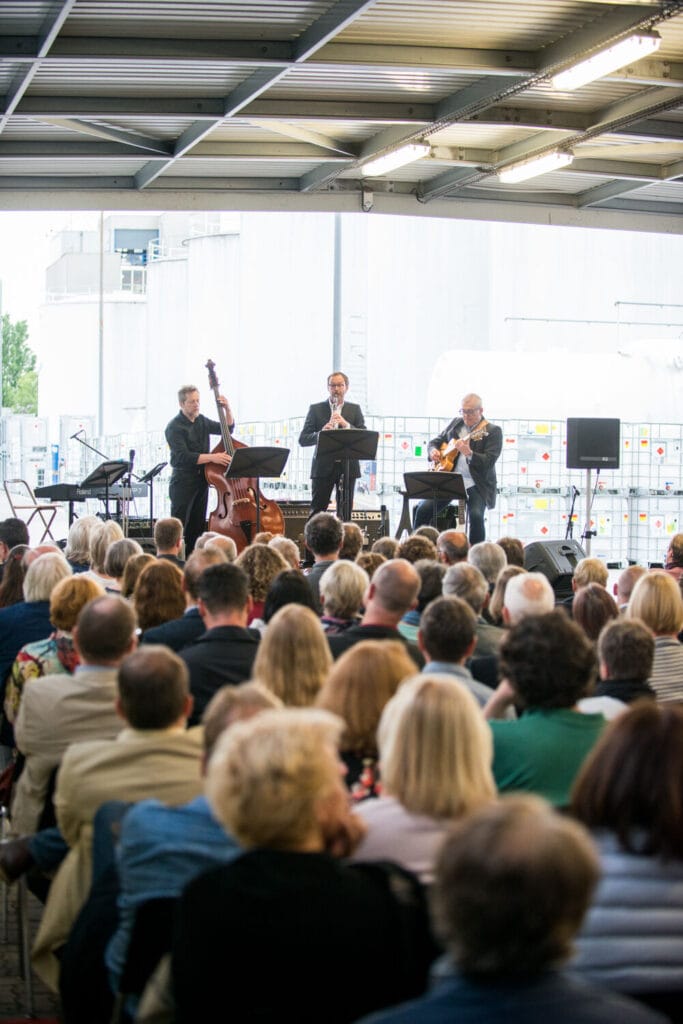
(392, 592)
(452, 546)
(527, 594)
(627, 580)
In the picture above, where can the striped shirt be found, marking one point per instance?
(667, 670)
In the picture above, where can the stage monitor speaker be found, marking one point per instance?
(592, 443)
(556, 559)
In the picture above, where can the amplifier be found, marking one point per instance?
(374, 523)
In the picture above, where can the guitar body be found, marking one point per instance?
(450, 453)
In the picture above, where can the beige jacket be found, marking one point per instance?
(56, 711)
(165, 764)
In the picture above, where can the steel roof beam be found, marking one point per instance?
(131, 139)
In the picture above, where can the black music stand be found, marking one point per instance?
(435, 487)
(257, 463)
(148, 479)
(342, 446)
(106, 475)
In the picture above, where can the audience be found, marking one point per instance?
(489, 558)
(626, 581)
(626, 650)
(514, 550)
(674, 557)
(466, 581)
(657, 601)
(387, 547)
(323, 536)
(289, 550)
(430, 532)
(225, 545)
(115, 562)
(513, 883)
(262, 564)
(416, 548)
(341, 591)
(293, 658)
(593, 608)
(77, 551)
(131, 573)
(288, 587)
(168, 540)
(357, 687)
(352, 541)
(447, 638)
(431, 575)
(452, 546)
(14, 570)
(497, 600)
(13, 533)
(435, 760)
(158, 595)
(370, 562)
(102, 536)
(293, 923)
(629, 793)
(186, 628)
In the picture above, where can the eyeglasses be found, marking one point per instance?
(470, 412)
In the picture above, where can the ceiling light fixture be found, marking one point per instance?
(634, 47)
(534, 166)
(397, 158)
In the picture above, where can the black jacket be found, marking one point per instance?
(316, 418)
(484, 455)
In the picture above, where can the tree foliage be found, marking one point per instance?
(19, 377)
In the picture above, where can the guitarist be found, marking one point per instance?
(475, 459)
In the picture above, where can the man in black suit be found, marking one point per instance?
(476, 461)
(181, 632)
(332, 414)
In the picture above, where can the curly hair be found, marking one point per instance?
(158, 595)
(261, 564)
(549, 661)
(416, 548)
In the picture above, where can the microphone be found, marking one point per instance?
(131, 459)
(74, 436)
(576, 491)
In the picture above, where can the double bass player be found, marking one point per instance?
(187, 435)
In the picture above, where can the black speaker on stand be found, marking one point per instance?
(556, 559)
(591, 444)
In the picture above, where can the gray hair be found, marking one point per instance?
(489, 558)
(43, 575)
(528, 594)
(466, 581)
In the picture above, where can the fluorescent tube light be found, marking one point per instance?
(397, 158)
(534, 166)
(632, 48)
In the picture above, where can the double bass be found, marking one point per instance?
(235, 514)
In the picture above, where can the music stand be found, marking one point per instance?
(435, 486)
(148, 479)
(342, 446)
(257, 463)
(106, 475)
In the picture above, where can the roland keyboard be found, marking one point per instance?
(73, 492)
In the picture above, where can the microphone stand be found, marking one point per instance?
(127, 482)
(570, 523)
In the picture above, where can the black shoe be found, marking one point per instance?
(15, 859)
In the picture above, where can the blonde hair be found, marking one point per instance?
(293, 657)
(590, 570)
(359, 685)
(267, 776)
(342, 588)
(43, 575)
(68, 598)
(101, 539)
(656, 599)
(288, 549)
(498, 596)
(436, 748)
(78, 541)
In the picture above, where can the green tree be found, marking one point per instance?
(19, 377)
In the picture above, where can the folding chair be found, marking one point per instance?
(22, 499)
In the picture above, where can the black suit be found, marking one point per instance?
(340, 642)
(224, 654)
(177, 633)
(327, 471)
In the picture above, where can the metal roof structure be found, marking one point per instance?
(277, 104)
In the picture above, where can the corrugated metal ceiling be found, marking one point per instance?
(161, 98)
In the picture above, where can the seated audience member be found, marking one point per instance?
(264, 537)
(674, 557)
(593, 608)
(14, 571)
(288, 587)
(447, 638)
(430, 532)
(370, 561)
(131, 573)
(489, 558)
(498, 595)
(188, 627)
(341, 592)
(626, 581)
(391, 593)
(431, 575)
(435, 760)
(415, 548)
(13, 532)
(58, 710)
(204, 538)
(116, 559)
(629, 793)
(24, 622)
(357, 687)
(287, 904)
(387, 547)
(323, 536)
(293, 658)
(352, 542)
(625, 653)
(154, 756)
(547, 665)
(262, 564)
(452, 546)
(514, 550)
(56, 655)
(289, 550)
(162, 848)
(657, 601)
(77, 551)
(168, 540)
(102, 536)
(225, 651)
(513, 883)
(588, 570)
(225, 545)
(158, 595)
(469, 583)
